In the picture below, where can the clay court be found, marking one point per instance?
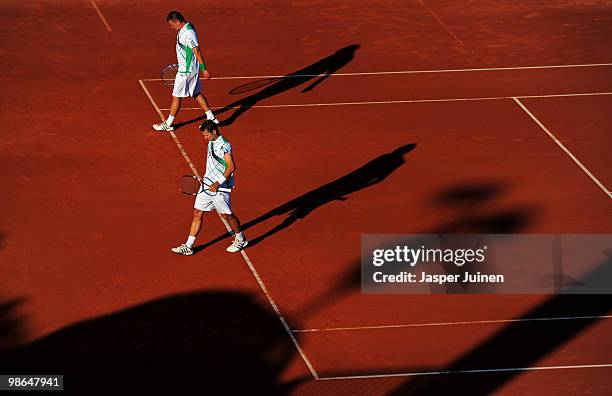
(346, 118)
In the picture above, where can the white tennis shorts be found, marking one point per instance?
(186, 85)
(220, 202)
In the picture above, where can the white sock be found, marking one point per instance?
(190, 241)
(169, 120)
(239, 236)
(210, 115)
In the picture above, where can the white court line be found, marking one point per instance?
(473, 322)
(554, 138)
(242, 252)
(437, 18)
(411, 101)
(477, 371)
(93, 3)
(174, 137)
(408, 72)
(274, 306)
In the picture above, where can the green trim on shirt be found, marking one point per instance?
(188, 57)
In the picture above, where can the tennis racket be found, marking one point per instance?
(168, 75)
(193, 185)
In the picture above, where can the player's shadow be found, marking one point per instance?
(366, 176)
(318, 71)
(212, 342)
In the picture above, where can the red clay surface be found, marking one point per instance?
(91, 207)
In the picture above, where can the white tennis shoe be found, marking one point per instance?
(162, 126)
(183, 249)
(237, 245)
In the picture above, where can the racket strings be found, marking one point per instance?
(169, 74)
(189, 185)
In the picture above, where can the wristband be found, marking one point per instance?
(202, 67)
(221, 179)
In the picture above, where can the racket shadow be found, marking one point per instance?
(253, 85)
(317, 73)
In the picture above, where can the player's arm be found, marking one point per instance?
(231, 167)
(200, 58)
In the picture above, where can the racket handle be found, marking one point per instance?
(223, 189)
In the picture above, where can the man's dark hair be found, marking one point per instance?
(210, 126)
(175, 16)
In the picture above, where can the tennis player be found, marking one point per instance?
(219, 167)
(191, 62)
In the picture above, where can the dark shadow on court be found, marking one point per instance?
(366, 176)
(12, 324)
(469, 201)
(520, 344)
(193, 344)
(468, 195)
(318, 71)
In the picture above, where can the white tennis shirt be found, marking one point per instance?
(186, 40)
(215, 161)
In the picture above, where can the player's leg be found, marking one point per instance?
(199, 97)
(174, 109)
(181, 90)
(223, 206)
(195, 90)
(196, 225)
(233, 222)
(240, 241)
(203, 203)
(186, 248)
